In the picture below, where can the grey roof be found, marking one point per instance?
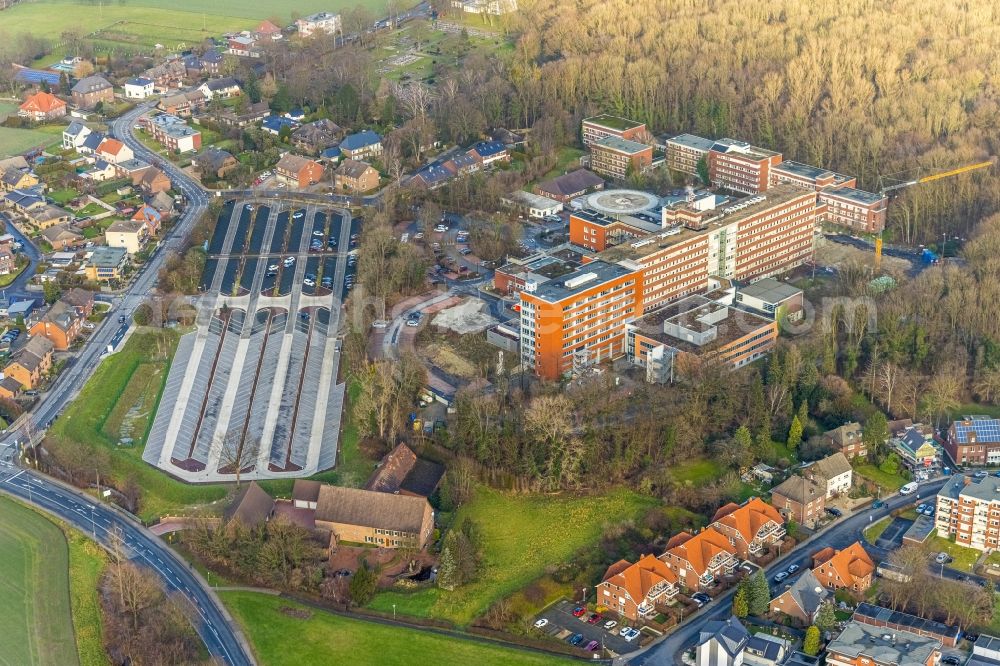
(107, 257)
(93, 140)
(75, 128)
(139, 81)
(251, 506)
(770, 290)
(367, 508)
(692, 141)
(808, 592)
(987, 642)
(571, 183)
(91, 84)
(353, 168)
(799, 489)
(729, 633)
(221, 84)
(861, 639)
(831, 466)
(621, 145)
(805, 170)
(854, 194)
(904, 621)
(765, 646)
(572, 283)
(987, 489)
(213, 158)
(305, 490)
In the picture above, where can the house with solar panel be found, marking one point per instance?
(974, 440)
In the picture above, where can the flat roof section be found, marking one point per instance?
(618, 202)
(686, 311)
(808, 171)
(856, 195)
(743, 148)
(692, 141)
(770, 290)
(616, 123)
(622, 145)
(582, 279)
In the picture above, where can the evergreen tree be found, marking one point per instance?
(740, 604)
(447, 571)
(759, 418)
(875, 434)
(742, 436)
(803, 413)
(758, 594)
(45, 87)
(64, 86)
(794, 433)
(811, 643)
(825, 617)
(363, 584)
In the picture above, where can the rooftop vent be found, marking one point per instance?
(573, 283)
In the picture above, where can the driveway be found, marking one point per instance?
(892, 537)
(560, 616)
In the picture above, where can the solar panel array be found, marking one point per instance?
(982, 430)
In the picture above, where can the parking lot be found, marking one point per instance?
(562, 625)
(892, 537)
(260, 369)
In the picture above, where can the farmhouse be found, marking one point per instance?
(381, 519)
(42, 106)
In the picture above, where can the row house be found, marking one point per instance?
(635, 590)
(751, 527)
(702, 559)
(850, 569)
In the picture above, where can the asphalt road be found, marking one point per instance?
(18, 289)
(841, 534)
(105, 524)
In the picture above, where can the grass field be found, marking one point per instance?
(7, 108)
(86, 563)
(697, 472)
(325, 638)
(890, 482)
(34, 586)
(15, 141)
(137, 403)
(521, 535)
(86, 418)
(874, 531)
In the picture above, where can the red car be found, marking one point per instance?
(594, 618)
(578, 611)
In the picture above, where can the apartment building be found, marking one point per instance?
(834, 472)
(616, 158)
(676, 338)
(634, 590)
(740, 167)
(570, 324)
(808, 177)
(751, 527)
(324, 22)
(171, 131)
(536, 268)
(969, 510)
(975, 440)
(864, 645)
(700, 560)
(686, 151)
(850, 568)
(854, 208)
(595, 128)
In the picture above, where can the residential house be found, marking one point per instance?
(354, 176)
(24, 200)
(884, 618)
(214, 161)
(702, 559)
(363, 145)
(168, 75)
(324, 22)
(62, 237)
(223, 88)
(183, 104)
(91, 91)
(916, 446)
(480, 7)
(569, 186)
(252, 506)
(512, 140)
(15, 179)
(317, 136)
(129, 168)
(8, 264)
(848, 440)
(138, 88)
(489, 152)
(767, 650)
(149, 217)
(100, 171)
(402, 472)
(431, 176)
(802, 599)
(267, 30)
(273, 124)
(171, 131)
(634, 590)
(10, 388)
(60, 325)
(721, 643)
(751, 527)
(106, 263)
(863, 645)
(835, 472)
(81, 300)
(162, 202)
(113, 151)
(30, 364)
(800, 499)
(848, 569)
(463, 164)
(46, 216)
(127, 234)
(298, 171)
(152, 181)
(42, 106)
(230, 118)
(17, 161)
(244, 46)
(90, 143)
(975, 440)
(305, 494)
(74, 135)
(330, 155)
(380, 519)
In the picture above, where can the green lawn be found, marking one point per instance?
(15, 141)
(697, 472)
(62, 197)
(964, 558)
(34, 586)
(568, 160)
(874, 531)
(7, 108)
(86, 563)
(890, 482)
(279, 638)
(521, 535)
(86, 418)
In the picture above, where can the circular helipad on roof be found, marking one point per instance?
(622, 201)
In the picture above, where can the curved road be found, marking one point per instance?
(841, 534)
(215, 627)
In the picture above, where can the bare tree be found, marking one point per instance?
(238, 454)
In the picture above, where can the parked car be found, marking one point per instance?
(465, 251)
(592, 646)
(298, 214)
(576, 639)
(701, 598)
(980, 475)
(792, 568)
(578, 611)
(834, 511)
(624, 629)
(942, 558)
(878, 504)
(951, 660)
(781, 577)
(633, 633)
(413, 323)
(541, 622)
(610, 624)
(594, 618)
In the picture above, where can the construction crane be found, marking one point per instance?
(886, 191)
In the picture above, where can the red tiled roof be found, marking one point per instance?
(850, 563)
(749, 518)
(110, 146)
(639, 578)
(42, 102)
(699, 550)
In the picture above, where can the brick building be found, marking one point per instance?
(799, 499)
(700, 560)
(298, 171)
(616, 158)
(740, 167)
(856, 209)
(863, 645)
(569, 186)
(851, 568)
(42, 106)
(92, 90)
(369, 517)
(751, 527)
(848, 439)
(686, 151)
(634, 590)
(595, 128)
(354, 176)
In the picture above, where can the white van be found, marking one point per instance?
(908, 488)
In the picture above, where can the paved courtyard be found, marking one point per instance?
(254, 385)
